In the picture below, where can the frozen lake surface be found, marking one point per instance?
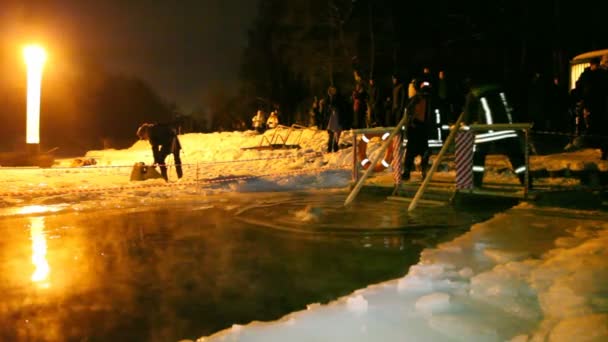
(190, 269)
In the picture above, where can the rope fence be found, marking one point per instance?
(197, 182)
(89, 167)
(564, 134)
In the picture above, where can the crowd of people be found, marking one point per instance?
(367, 107)
(432, 103)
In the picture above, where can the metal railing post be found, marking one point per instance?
(375, 160)
(429, 175)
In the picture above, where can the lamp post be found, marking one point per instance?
(34, 56)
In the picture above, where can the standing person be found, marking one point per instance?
(388, 111)
(335, 118)
(164, 142)
(488, 104)
(558, 102)
(419, 122)
(359, 98)
(442, 86)
(258, 121)
(592, 89)
(273, 120)
(426, 76)
(411, 88)
(373, 110)
(443, 96)
(314, 113)
(399, 98)
(538, 102)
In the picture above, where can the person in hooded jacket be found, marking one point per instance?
(164, 141)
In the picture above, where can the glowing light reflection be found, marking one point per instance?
(36, 209)
(41, 265)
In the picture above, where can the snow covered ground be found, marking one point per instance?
(529, 274)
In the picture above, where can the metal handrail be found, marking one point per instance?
(475, 127)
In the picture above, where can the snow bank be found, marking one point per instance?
(228, 161)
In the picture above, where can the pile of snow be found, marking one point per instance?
(213, 162)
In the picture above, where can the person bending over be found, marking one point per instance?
(164, 141)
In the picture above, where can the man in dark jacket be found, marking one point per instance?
(592, 87)
(419, 122)
(164, 141)
(398, 102)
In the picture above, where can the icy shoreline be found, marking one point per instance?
(529, 274)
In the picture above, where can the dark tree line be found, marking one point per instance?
(297, 48)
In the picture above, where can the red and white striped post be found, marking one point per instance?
(464, 160)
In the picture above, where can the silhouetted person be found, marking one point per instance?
(258, 121)
(273, 120)
(335, 118)
(374, 104)
(419, 121)
(592, 90)
(398, 101)
(558, 103)
(164, 141)
(314, 113)
(538, 102)
(444, 95)
(359, 99)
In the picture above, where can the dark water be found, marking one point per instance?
(188, 270)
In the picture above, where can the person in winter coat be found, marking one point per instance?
(359, 98)
(592, 89)
(314, 113)
(374, 105)
(419, 123)
(273, 120)
(399, 101)
(258, 121)
(164, 141)
(335, 118)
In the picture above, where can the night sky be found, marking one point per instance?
(180, 47)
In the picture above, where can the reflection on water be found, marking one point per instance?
(41, 265)
(165, 274)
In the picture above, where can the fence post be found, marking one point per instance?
(355, 175)
(527, 159)
(464, 159)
